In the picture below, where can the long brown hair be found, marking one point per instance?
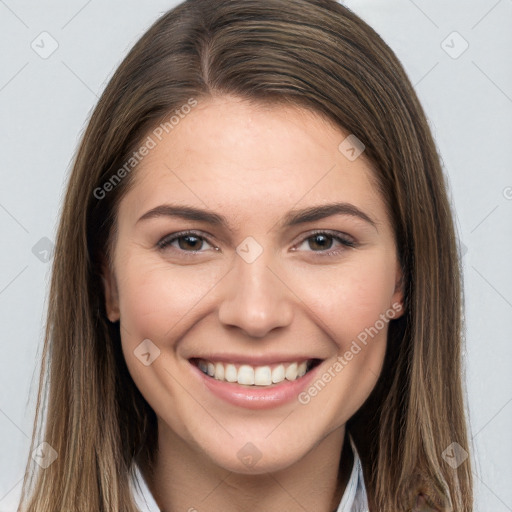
(314, 54)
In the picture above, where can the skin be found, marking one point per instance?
(252, 164)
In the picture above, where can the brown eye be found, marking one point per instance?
(320, 241)
(325, 243)
(188, 242)
(185, 242)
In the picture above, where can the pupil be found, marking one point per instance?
(321, 241)
(190, 241)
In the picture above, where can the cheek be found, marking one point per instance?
(348, 302)
(350, 297)
(156, 298)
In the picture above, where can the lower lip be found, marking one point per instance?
(253, 397)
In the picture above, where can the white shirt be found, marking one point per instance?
(354, 498)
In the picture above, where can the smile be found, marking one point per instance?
(249, 375)
(266, 383)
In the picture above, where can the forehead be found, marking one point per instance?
(246, 158)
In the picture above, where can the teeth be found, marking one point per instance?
(219, 371)
(250, 376)
(278, 374)
(231, 373)
(246, 375)
(291, 372)
(263, 376)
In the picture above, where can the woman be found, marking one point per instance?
(255, 301)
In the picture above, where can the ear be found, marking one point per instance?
(397, 300)
(111, 293)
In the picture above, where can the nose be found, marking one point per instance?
(254, 298)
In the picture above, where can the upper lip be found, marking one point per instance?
(261, 360)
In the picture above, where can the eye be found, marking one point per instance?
(322, 242)
(185, 241)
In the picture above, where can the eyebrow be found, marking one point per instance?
(292, 218)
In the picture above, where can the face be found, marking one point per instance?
(254, 276)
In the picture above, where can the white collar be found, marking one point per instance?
(354, 498)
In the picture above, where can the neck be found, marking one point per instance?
(185, 479)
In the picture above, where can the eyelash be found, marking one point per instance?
(166, 242)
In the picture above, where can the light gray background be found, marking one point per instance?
(45, 103)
